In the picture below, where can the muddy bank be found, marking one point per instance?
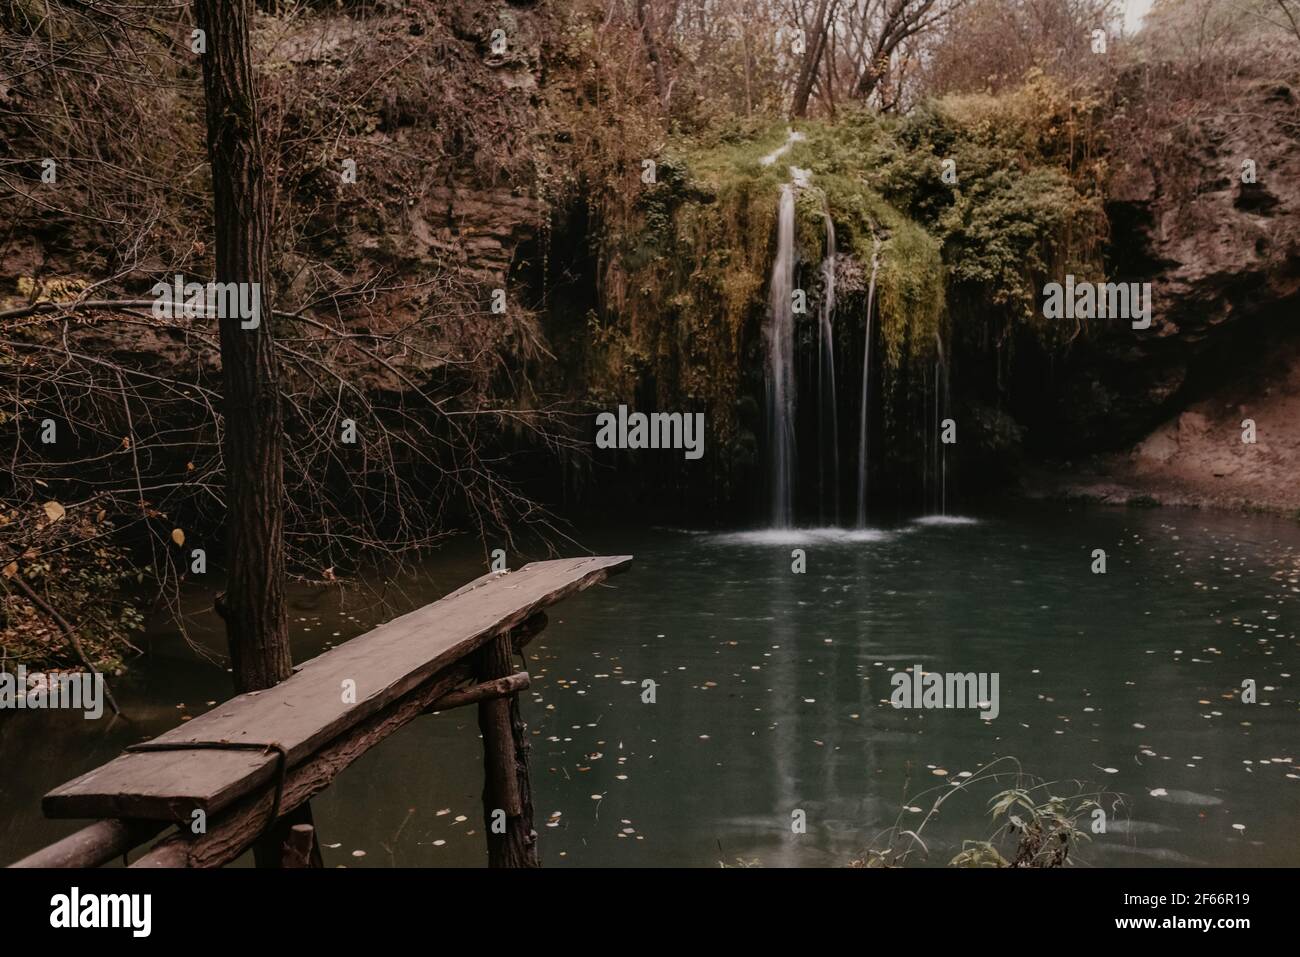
(1237, 447)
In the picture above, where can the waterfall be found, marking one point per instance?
(826, 377)
(941, 374)
(866, 393)
(779, 334)
(793, 137)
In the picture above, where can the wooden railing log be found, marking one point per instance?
(94, 845)
(484, 691)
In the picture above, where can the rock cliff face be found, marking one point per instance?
(1170, 404)
(435, 107)
(444, 135)
(1222, 256)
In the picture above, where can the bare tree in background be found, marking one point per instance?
(877, 29)
(1291, 13)
(815, 39)
(990, 45)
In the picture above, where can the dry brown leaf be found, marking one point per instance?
(54, 511)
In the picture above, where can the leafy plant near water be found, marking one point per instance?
(1044, 833)
(1035, 826)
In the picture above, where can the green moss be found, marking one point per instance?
(686, 286)
(911, 288)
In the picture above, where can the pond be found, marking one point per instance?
(772, 696)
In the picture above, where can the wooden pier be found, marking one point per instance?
(222, 780)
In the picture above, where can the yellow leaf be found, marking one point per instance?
(53, 511)
(178, 536)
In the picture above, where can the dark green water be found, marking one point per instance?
(772, 694)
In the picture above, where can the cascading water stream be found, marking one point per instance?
(866, 393)
(941, 376)
(826, 371)
(780, 358)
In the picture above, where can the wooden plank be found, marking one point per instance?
(237, 827)
(306, 711)
(230, 833)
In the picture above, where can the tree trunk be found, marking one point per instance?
(253, 605)
(645, 21)
(814, 46)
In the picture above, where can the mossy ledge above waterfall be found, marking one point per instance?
(683, 280)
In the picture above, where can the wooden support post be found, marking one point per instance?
(289, 831)
(507, 796)
(300, 847)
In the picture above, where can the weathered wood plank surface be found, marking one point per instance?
(307, 711)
